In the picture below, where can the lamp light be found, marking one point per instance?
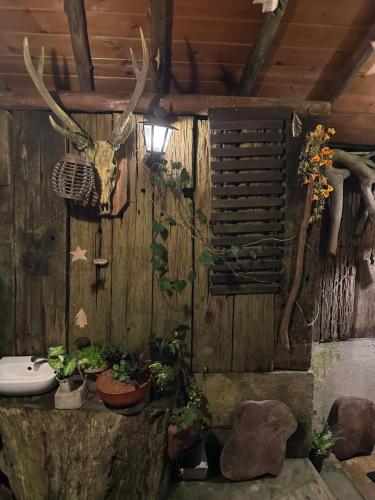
(157, 132)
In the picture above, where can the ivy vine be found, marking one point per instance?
(172, 180)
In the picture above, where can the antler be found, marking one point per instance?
(73, 132)
(122, 130)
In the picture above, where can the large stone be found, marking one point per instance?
(258, 440)
(225, 390)
(353, 419)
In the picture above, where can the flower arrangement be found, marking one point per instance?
(314, 159)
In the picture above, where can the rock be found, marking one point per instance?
(354, 420)
(258, 440)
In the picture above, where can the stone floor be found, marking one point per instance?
(298, 480)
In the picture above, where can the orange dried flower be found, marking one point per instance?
(315, 158)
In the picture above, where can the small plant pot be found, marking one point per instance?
(120, 394)
(178, 441)
(66, 384)
(193, 455)
(91, 375)
(317, 460)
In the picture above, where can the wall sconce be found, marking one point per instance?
(157, 132)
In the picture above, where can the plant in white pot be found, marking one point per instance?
(63, 365)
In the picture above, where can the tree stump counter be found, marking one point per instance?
(90, 453)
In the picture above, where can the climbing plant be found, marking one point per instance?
(171, 180)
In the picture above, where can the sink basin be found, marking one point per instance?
(19, 378)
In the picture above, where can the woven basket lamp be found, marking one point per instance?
(73, 178)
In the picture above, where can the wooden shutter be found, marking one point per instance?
(248, 161)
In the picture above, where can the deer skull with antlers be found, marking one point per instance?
(101, 153)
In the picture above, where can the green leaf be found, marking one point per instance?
(160, 181)
(184, 176)
(157, 228)
(180, 285)
(172, 184)
(157, 264)
(252, 254)
(115, 367)
(192, 275)
(201, 216)
(170, 220)
(180, 332)
(235, 249)
(165, 285)
(159, 250)
(206, 258)
(176, 165)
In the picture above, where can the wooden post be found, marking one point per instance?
(75, 10)
(260, 49)
(161, 19)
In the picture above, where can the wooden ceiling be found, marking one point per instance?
(211, 39)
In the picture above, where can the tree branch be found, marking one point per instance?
(260, 49)
(75, 10)
(161, 20)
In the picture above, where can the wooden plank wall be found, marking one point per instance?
(122, 300)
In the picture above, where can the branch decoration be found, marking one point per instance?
(315, 157)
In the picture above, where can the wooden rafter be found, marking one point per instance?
(260, 49)
(161, 19)
(361, 62)
(180, 104)
(75, 10)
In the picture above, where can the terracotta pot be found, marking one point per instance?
(130, 395)
(180, 441)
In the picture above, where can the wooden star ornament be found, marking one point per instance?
(78, 254)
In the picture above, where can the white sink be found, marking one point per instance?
(18, 377)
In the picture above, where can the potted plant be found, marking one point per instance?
(322, 444)
(185, 425)
(90, 360)
(166, 350)
(163, 377)
(63, 365)
(125, 384)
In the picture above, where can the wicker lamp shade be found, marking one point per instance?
(73, 178)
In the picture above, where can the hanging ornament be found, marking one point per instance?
(73, 178)
(296, 125)
(267, 5)
(78, 254)
(81, 318)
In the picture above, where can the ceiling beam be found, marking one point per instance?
(161, 20)
(258, 53)
(187, 104)
(362, 62)
(75, 10)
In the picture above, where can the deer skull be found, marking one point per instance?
(102, 156)
(101, 153)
